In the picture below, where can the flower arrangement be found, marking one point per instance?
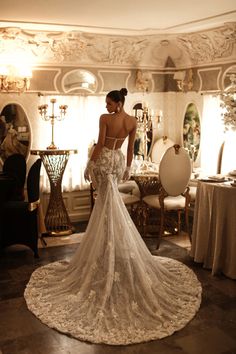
(228, 98)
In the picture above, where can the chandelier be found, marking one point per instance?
(228, 98)
(14, 79)
(43, 112)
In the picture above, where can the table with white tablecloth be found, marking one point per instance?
(214, 228)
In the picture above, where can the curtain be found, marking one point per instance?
(77, 130)
(212, 134)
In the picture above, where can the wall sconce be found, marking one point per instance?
(142, 82)
(43, 112)
(184, 80)
(14, 79)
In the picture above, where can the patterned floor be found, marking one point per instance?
(212, 331)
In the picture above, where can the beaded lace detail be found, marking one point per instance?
(113, 290)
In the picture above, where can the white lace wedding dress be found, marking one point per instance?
(113, 290)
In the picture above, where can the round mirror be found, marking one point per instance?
(191, 131)
(79, 81)
(14, 131)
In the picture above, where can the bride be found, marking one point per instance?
(113, 290)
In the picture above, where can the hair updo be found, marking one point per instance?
(118, 95)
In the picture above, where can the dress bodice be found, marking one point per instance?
(115, 140)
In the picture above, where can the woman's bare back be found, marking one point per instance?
(118, 126)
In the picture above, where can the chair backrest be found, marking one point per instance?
(159, 148)
(33, 180)
(15, 167)
(175, 170)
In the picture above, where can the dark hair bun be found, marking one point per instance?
(124, 91)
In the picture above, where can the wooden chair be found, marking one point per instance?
(174, 175)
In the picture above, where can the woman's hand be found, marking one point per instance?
(127, 174)
(89, 170)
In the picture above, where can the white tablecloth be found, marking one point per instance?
(214, 228)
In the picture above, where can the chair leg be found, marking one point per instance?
(44, 243)
(144, 218)
(187, 224)
(179, 222)
(161, 231)
(36, 255)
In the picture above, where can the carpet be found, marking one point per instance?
(168, 245)
(61, 240)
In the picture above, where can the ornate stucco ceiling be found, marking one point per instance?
(127, 33)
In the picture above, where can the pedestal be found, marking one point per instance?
(56, 220)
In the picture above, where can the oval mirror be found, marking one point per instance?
(14, 131)
(78, 81)
(143, 139)
(191, 131)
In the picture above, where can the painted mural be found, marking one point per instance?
(14, 132)
(192, 131)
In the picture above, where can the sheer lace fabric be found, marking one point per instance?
(113, 290)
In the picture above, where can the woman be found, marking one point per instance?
(113, 290)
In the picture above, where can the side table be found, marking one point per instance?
(56, 220)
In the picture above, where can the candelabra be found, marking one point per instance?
(144, 127)
(191, 149)
(43, 112)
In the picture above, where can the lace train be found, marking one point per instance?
(113, 290)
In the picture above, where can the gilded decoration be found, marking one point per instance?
(96, 49)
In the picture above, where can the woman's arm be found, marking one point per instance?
(130, 147)
(101, 138)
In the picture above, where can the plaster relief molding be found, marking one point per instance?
(100, 50)
(210, 46)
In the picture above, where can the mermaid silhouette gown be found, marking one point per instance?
(113, 290)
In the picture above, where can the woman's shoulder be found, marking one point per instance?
(105, 116)
(132, 119)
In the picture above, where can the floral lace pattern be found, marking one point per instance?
(113, 290)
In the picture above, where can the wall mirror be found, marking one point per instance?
(79, 81)
(143, 140)
(191, 131)
(14, 131)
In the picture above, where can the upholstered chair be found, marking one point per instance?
(174, 175)
(19, 219)
(14, 167)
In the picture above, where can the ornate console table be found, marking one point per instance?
(56, 220)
